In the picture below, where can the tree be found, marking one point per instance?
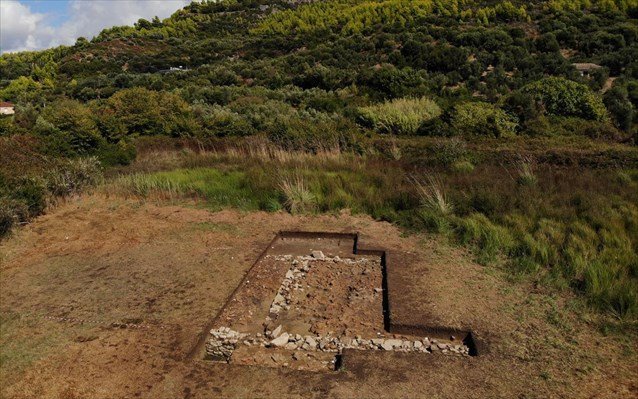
(559, 96)
(391, 82)
(21, 88)
(620, 108)
(72, 121)
(482, 119)
(139, 111)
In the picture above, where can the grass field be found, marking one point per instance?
(566, 227)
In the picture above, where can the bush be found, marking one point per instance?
(219, 121)
(121, 153)
(139, 111)
(620, 107)
(448, 151)
(462, 167)
(560, 96)
(482, 119)
(390, 82)
(400, 116)
(74, 175)
(31, 192)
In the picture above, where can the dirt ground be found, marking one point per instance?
(106, 298)
(338, 299)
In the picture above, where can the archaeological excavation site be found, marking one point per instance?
(312, 299)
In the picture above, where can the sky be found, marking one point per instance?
(39, 24)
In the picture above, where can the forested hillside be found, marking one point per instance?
(263, 67)
(460, 86)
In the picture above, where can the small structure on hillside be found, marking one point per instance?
(586, 68)
(175, 69)
(7, 108)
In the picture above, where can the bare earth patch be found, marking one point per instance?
(106, 297)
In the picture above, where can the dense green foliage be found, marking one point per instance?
(559, 96)
(482, 119)
(400, 116)
(317, 62)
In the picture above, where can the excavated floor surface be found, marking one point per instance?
(323, 296)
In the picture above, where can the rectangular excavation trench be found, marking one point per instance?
(309, 297)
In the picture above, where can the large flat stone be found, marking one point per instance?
(280, 341)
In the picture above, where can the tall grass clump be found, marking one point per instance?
(525, 171)
(609, 289)
(215, 187)
(435, 207)
(143, 185)
(432, 196)
(402, 116)
(488, 238)
(297, 196)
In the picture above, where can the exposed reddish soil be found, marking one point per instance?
(106, 298)
(337, 299)
(340, 297)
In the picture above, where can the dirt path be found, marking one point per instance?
(105, 297)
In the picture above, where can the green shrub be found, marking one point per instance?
(113, 154)
(448, 151)
(462, 167)
(482, 119)
(400, 116)
(139, 111)
(219, 121)
(31, 192)
(560, 96)
(7, 126)
(553, 125)
(620, 107)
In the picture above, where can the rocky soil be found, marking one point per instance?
(339, 300)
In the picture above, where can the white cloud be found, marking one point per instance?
(22, 29)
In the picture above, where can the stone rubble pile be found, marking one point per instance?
(337, 344)
(224, 340)
(319, 256)
(292, 281)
